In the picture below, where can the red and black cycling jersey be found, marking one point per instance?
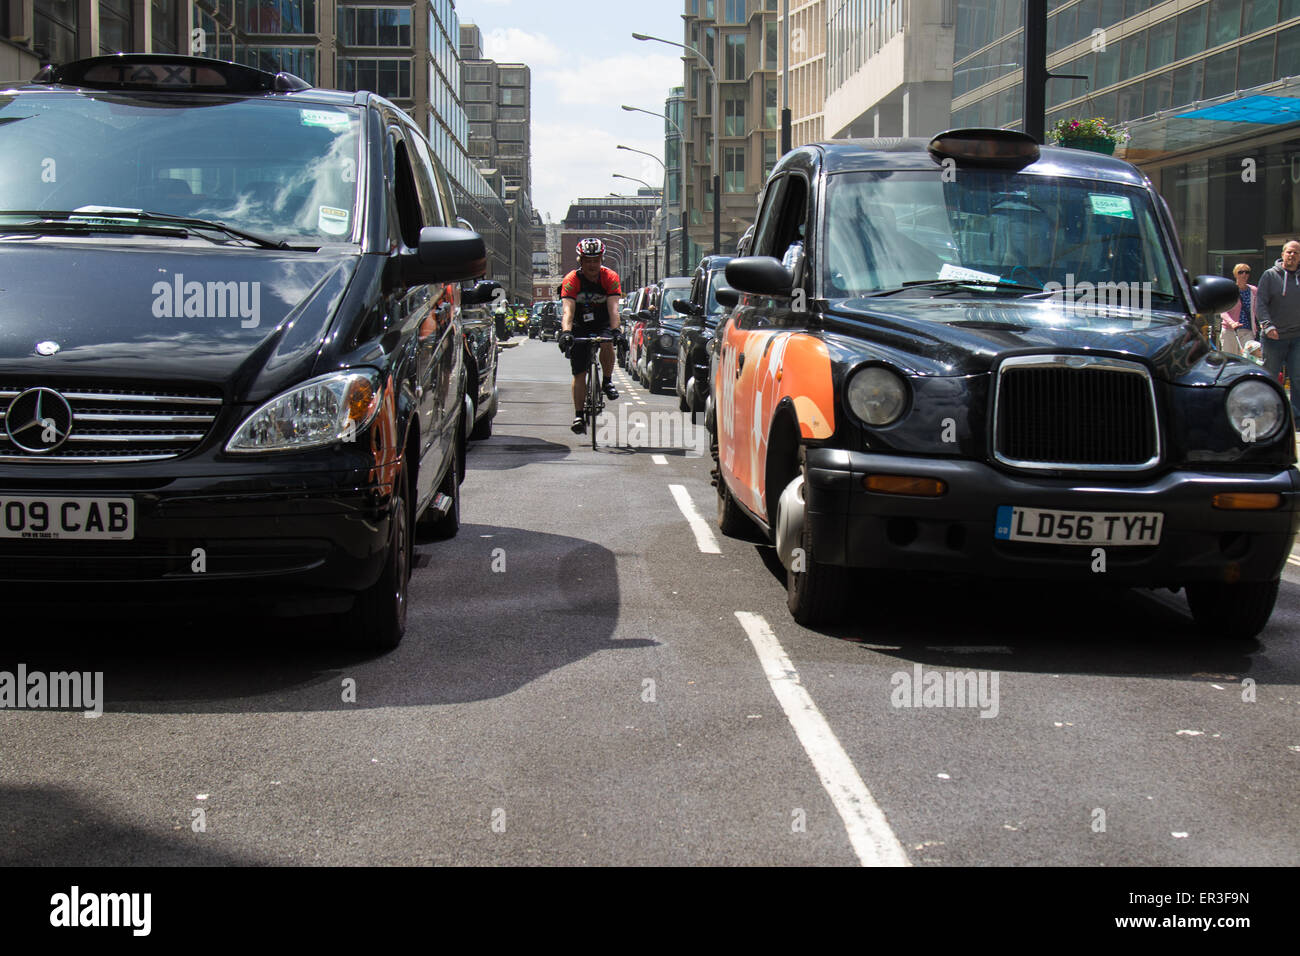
(590, 297)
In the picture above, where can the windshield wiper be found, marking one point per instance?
(113, 219)
(957, 284)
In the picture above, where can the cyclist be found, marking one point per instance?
(590, 294)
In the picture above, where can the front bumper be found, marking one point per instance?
(309, 540)
(955, 532)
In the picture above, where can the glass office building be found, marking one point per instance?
(1206, 89)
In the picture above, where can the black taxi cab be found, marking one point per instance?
(231, 363)
(975, 354)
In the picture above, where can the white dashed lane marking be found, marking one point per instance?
(704, 538)
(659, 459)
(872, 838)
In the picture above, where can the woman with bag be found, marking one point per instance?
(1239, 325)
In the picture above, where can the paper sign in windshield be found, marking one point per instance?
(332, 221)
(1104, 205)
(950, 271)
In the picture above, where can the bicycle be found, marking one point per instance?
(595, 403)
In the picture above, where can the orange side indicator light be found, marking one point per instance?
(1247, 501)
(905, 485)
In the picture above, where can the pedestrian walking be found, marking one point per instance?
(1238, 323)
(1278, 309)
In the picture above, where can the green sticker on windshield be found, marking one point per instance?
(329, 119)
(1104, 205)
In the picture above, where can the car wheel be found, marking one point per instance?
(1232, 612)
(378, 617)
(732, 520)
(436, 526)
(817, 594)
(483, 427)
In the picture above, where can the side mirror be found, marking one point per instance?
(685, 307)
(482, 293)
(761, 275)
(727, 297)
(1212, 294)
(645, 315)
(445, 255)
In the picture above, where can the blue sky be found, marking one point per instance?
(585, 65)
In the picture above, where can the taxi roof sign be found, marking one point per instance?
(167, 72)
(985, 147)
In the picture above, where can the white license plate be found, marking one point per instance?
(103, 519)
(1078, 527)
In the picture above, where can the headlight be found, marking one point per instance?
(325, 410)
(1255, 410)
(666, 342)
(876, 395)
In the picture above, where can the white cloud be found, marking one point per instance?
(570, 163)
(512, 45)
(637, 80)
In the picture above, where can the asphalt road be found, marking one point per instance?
(584, 682)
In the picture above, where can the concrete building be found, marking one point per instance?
(738, 37)
(625, 223)
(889, 67)
(1203, 85)
(498, 106)
(806, 69)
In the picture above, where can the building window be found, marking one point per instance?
(771, 115)
(387, 77)
(733, 168)
(114, 26)
(512, 131)
(735, 56)
(769, 155)
(734, 11)
(298, 60)
(478, 93)
(514, 77)
(514, 96)
(274, 16)
(375, 26)
(478, 111)
(733, 117)
(478, 74)
(769, 45)
(512, 113)
(55, 29)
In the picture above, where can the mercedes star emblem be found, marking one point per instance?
(39, 420)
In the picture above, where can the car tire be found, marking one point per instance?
(377, 620)
(732, 520)
(436, 526)
(1232, 612)
(483, 427)
(818, 594)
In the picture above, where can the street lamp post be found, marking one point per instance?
(662, 192)
(681, 195)
(786, 137)
(713, 154)
(656, 248)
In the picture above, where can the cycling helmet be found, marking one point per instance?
(591, 247)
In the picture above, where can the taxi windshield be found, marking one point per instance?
(668, 314)
(277, 169)
(885, 231)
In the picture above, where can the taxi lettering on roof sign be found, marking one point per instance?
(249, 236)
(953, 374)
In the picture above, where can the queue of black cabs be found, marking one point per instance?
(977, 355)
(232, 359)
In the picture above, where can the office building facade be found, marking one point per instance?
(1207, 88)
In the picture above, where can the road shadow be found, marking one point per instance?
(504, 452)
(47, 826)
(493, 610)
(1050, 627)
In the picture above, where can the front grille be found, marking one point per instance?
(1075, 412)
(115, 424)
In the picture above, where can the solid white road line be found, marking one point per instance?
(872, 838)
(1292, 559)
(659, 459)
(704, 538)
